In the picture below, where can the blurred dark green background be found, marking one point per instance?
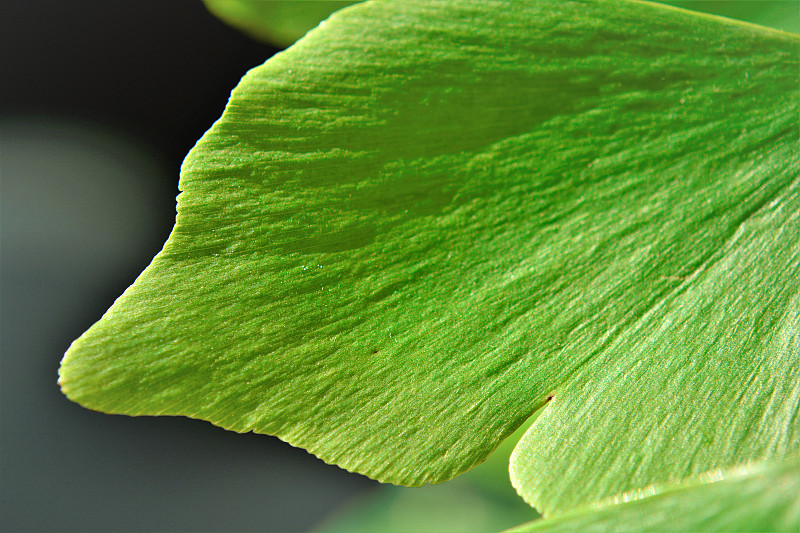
(100, 102)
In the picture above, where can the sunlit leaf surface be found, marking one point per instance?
(428, 220)
(761, 497)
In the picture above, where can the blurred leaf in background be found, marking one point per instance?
(283, 22)
(478, 501)
(277, 22)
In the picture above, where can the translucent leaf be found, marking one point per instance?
(760, 497)
(428, 220)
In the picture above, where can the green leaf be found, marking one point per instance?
(280, 22)
(759, 497)
(458, 506)
(428, 220)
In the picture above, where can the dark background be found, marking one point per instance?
(101, 100)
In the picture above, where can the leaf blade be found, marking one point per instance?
(388, 300)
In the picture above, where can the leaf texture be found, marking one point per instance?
(427, 220)
(758, 497)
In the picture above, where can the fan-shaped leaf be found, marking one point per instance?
(429, 219)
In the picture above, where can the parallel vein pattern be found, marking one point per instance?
(414, 227)
(759, 497)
